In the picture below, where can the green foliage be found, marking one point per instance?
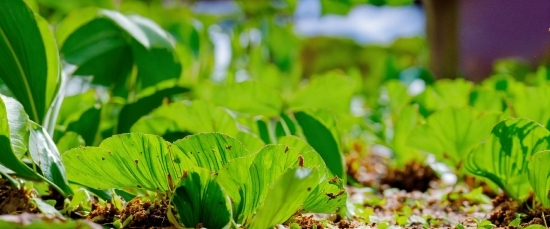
(450, 134)
(29, 65)
(444, 94)
(200, 199)
(539, 174)
(319, 129)
(296, 182)
(108, 46)
(185, 169)
(503, 158)
(19, 136)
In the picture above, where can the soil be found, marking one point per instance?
(146, 215)
(414, 177)
(14, 200)
(505, 210)
(103, 214)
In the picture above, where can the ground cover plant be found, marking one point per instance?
(111, 116)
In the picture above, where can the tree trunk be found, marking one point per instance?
(442, 20)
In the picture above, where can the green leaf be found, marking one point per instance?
(108, 46)
(44, 153)
(46, 209)
(535, 226)
(444, 94)
(320, 130)
(249, 97)
(487, 100)
(328, 197)
(69, 141)
(73, 106)
(132, 112)
(539, 176)
(451, 134)
(36, 221)
(246, 179)
(525, 107)
(195, 117)
(285, 196)
(394, 95)
(14, 132)
(504, 156)
(88, 125)
(330, 92)
(139, 160)
(199, 199)
(405, 122)
(192, 118)
(211, 150)
(29, 65)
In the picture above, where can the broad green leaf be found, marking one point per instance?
(539, 176)
(211, 150)
(14, 130)
(139, 160)
(108, 46)
(72, 21)
(235, 180)
(46, 209)
(69, 141)
(296, 143)
(132, 112)
(192, 118)
(199, 199)
(394, 95)
(285, 196)
(319, 200)
(444, 94)
(535, 226)
(320, 130)
(406, 121)
(504, 156)
(87, 125)
(38, 221)
(44, 154)
(29, 64)
(487, 100)
(160, 53)
(330, 92)
(246, 179)
(99, 48)
(249, 97)
(73, 106)
(195, 117)
(533, 103)
(451, 134)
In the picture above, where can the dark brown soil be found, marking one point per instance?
(414, 177)
(307, 222)
(506, 209)
(103, 214)
(14, 200)
(146, 214)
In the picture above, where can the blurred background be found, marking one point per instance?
(377, 39)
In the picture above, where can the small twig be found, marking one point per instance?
(544, 219)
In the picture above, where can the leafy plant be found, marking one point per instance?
(539, 174)
(503, 158)
(183, 170)
(451, 134)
